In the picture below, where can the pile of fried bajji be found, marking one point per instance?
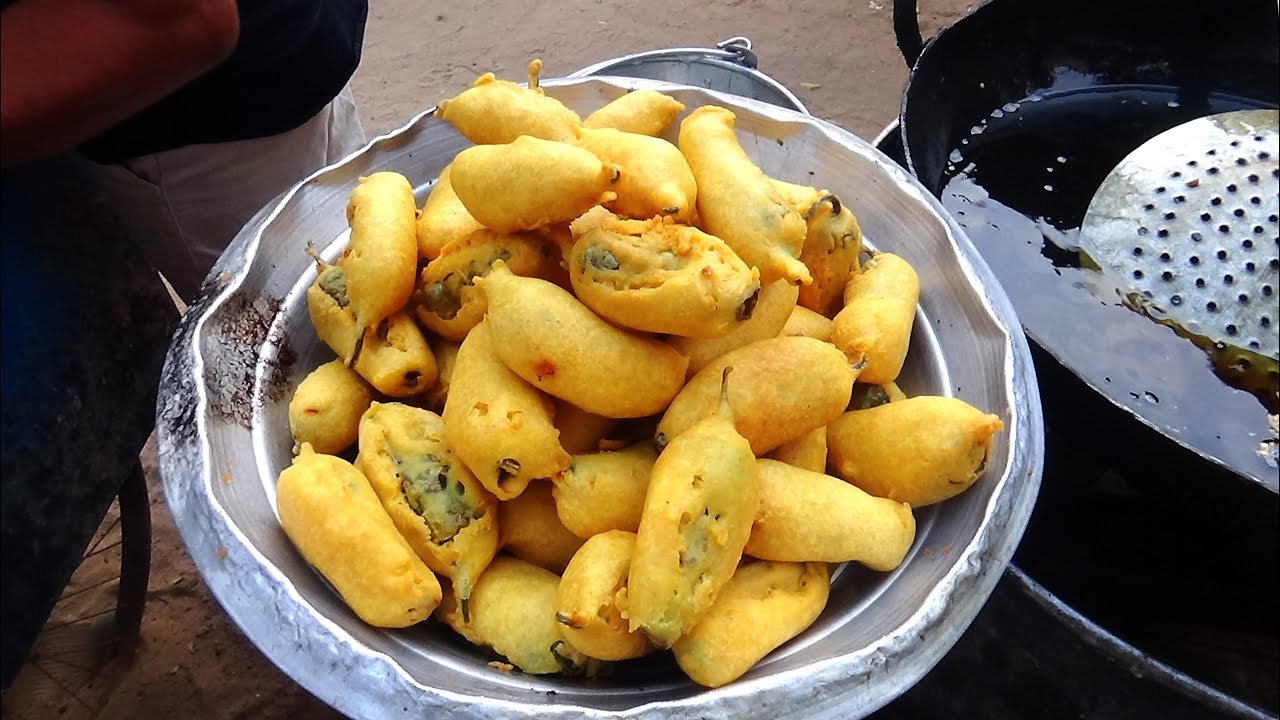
(621, 395)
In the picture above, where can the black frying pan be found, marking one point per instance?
(1133, 592)
(1007, 50)
(1015, 114)
(1163, 547)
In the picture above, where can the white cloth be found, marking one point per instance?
(184, 206)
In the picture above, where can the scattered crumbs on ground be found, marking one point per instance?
(810, 86)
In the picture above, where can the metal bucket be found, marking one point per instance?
(730, 67)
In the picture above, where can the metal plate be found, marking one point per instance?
(246, 342)
(1188, 221)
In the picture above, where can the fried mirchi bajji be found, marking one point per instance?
(396, 359)
(736, 201)
(513, 610)
(772, 309)
(447, 301)
(832, 243)
(498, 424)
(325, 410)
(334, 518)
(496, 183)
(604, 491)
(443, 219)
(438, 505)
(554, 342)
(785, 388)
(702, 498)
(762, 606)
(531, 530)
(645, 112)
(878, 314)
(920, 451)
(381, 257)
(494, 111)
(655, 178)
(659, 276)
(591, 604)
(810, 516)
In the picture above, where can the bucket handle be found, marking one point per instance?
(906, 28)
(740, 47)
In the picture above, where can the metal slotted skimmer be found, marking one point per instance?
(1188, 222)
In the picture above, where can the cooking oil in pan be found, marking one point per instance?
(1020, 182)
(1046, 155)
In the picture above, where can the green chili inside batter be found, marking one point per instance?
(696, 538)
(444, 297)
(333, 281)
(439, 499)
(600, 258)
(866, 396)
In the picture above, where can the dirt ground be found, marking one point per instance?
(842, 62)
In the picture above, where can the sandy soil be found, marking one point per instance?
(840, 59)
(415, 55)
